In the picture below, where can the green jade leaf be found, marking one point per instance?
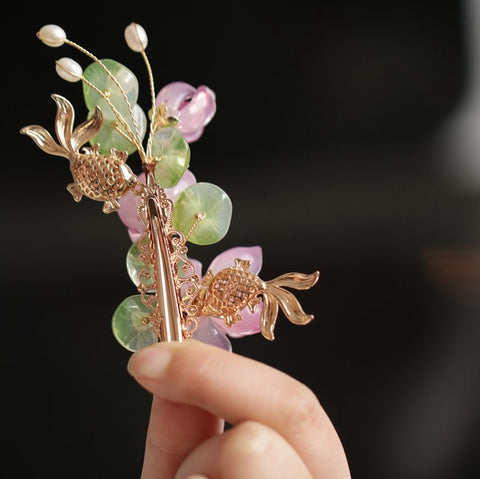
(97, 76)
(108, 137)
(135, 265)
(172, 152)
(128, 327)
(204, 200)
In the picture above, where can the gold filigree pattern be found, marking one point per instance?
(166, 255)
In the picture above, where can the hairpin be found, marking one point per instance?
(163, 207)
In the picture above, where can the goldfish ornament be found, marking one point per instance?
(173, 299)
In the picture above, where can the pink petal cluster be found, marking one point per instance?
(192, 107)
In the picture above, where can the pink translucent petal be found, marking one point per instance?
(190, 137)
(135, 235)
(227, 258)
(250, 323)
(174, 96)
(198, 111)
(209, 333)
(192, 107)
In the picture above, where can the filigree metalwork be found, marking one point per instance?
(163, 250)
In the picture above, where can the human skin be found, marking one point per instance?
(279, 429)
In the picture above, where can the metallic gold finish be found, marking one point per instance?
(176, 298)
(168, 308)
(173, 318)
(226, 293)
(98, 177)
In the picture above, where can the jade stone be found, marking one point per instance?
(108, 137)
(135, 265)
(172, 153)
(204, 200)
(97, 76)
(128, 327)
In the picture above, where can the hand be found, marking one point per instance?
(279, 428)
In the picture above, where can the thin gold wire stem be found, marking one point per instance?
(131, 135)
(198, 217)
(152, 98)
(122, 91)
(120, 131)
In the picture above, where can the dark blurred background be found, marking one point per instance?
(347, 137)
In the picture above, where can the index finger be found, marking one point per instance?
(239, 389)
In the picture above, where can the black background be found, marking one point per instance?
(330, 140)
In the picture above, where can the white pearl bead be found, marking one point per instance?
(52, 35)
(69, 69)
(136, 37)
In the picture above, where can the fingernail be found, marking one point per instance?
(150, 362)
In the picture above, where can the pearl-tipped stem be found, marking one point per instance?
(52, 35)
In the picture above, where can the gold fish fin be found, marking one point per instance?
(298, 281)
(64, 122)
(74, 190)
(242, 264)
(290, 305)
(231, 319)
(268, 317)
(43, 140)
(110, 206)
(119, 155)
(208, 278)
(252, 304)
(87, 130)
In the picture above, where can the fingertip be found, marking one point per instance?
(152, 361)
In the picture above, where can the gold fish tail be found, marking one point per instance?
(299, 281)
(268, 318)
(44, 140)
(70, 140)
(274, 296)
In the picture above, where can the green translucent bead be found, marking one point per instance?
(173, 154)
(97, 76)
(128, 327)
(100, 79)
(206, 201)
(135, 265)
(109, 137)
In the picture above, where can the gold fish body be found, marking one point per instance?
(101, 177)
(230, 291)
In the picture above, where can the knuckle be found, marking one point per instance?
(192, 372)
(302, 410)
(246, 442)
